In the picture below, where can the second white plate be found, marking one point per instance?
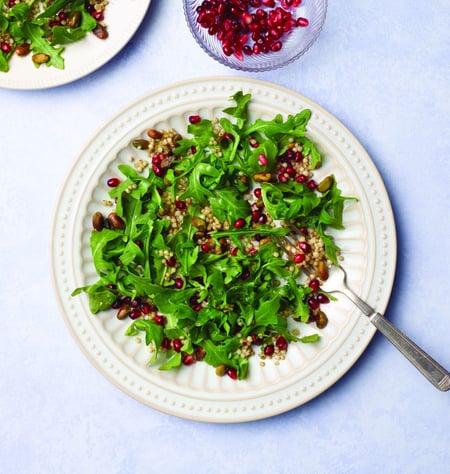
(122, 18)
(368, 245)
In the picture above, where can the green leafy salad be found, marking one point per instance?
(189, 253)
(42, 28)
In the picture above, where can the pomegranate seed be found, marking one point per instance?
(160, 320)
(262, 159)
(314, 284)
(135, 313)
(258, 193)
(205, 247)
(304, 247)
(98, 15)
(312, 184)
(298, 156)
(5, 47)
(301, 178)
(157, 158)
(313, 303)
(253, 143)
(239, 223)
(179, 283)
(276, 46)
(228, 136)
(299, 258)
(281, 343)
(166, 343)
(302, 22)
(269, 350)
(177, 345)
(245, 274)
(238, 54)
(171, 262)
(194, 119)
(113, 182)
(145, 308)
(257, 340)
(232, 373)
(227, 49)
(187, 359)
(181, 205)
(323, 299)
(160, 172)
(117, 304)
(256, 215)
(303, 230)
(234, 251)
(290, 171)
(262, 219)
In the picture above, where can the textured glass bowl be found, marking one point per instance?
(295, 43)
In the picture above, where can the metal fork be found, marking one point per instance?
(337, 283)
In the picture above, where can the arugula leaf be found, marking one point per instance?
(53, 8)
(38, 44)
(195, 249)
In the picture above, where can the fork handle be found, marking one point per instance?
(434, 372)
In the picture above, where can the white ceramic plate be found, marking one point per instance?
(122, 18)
(368, 245)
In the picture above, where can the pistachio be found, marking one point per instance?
(22, 49)
(116, 221)
(200, 353)
(321, 320)
(100, 31)
(221, 370)
(322, 270)
(124, 311)
(140, 143)
(262, 177)
(40, 58)
(325, 184)
(74, 20)
(155, 134)
(97, 221)
(198, 222)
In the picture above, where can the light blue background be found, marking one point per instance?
(382, 68)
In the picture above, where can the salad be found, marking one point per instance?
(189, 253)
(42, 28)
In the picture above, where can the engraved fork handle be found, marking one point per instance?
(433, 371)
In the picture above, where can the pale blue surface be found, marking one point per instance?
(382, 68)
